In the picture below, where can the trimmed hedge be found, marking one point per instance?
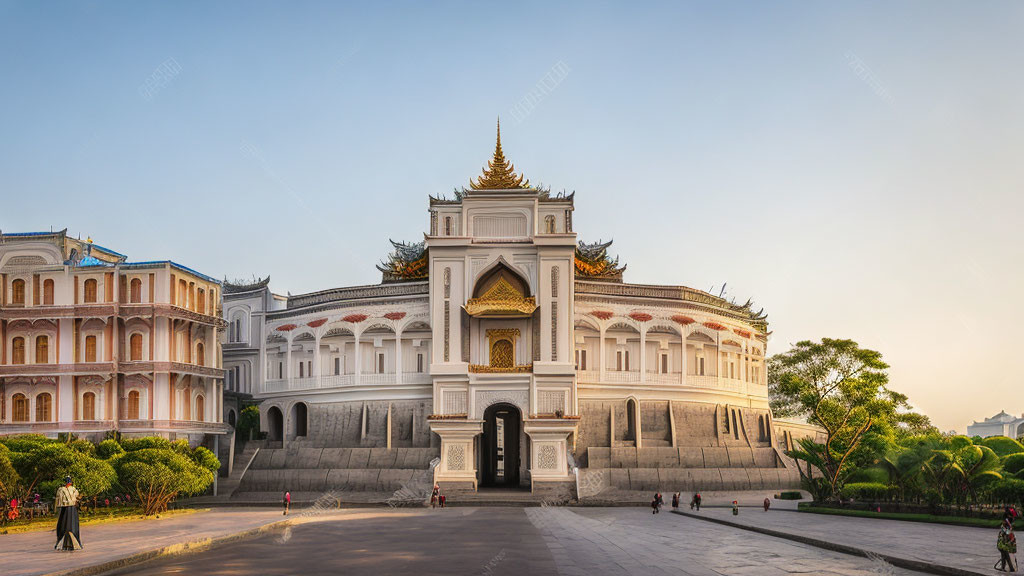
(866, 491)
(1003, 446)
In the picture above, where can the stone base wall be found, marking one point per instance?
(365, 424)
(299, 469)
(668, 480)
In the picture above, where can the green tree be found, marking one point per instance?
(248, 422)
(155, 476)
(48, 466)
(842, 388)
(9, 479)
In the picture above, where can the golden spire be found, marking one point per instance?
(500, 173)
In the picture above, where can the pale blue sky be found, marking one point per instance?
(855, 168)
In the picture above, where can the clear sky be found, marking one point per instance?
(855, 168)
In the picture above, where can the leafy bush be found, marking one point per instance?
(866, 491)
(248, 422)
(1013, 463)
(205, 458)
(791, 495)
(1003, 446)
(25, 442)
(108, 449)
(83, 446)
(1007, 491)
(958, 442)
(49, 465)
(158, 475)
(133, 444)
(873, 474)
(9, 479)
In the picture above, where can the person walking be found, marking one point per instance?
(675, 500)
(767, 503)
(735, 508)
(1006, 543)
(287, 502)
(696, 499)
(68, 536)
(434, 496)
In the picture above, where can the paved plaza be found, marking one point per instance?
(495, 540)
(516, 541)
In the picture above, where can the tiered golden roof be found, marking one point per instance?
(502, 299)
(500, 174)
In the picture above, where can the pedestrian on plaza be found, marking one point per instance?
(696, 499)
(767, 503)
(442, 499)
(661, 500)
(68, 536)
(1010, 513)
(675, 500)
(287, 502)
(654, 505)
(735, 508)
(434, 496)
(1006, 543)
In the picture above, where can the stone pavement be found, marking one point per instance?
(961, 547)
(32, 553)
(513, 541)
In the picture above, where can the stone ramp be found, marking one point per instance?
(321, 470)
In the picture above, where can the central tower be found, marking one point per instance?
(501, 257)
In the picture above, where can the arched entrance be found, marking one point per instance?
(275, 424)
(299, 420)
(499, 462)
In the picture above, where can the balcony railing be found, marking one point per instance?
(702, 381)
(342, 381)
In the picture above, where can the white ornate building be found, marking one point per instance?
(1001, 424)
(94, 343)
(510, 350)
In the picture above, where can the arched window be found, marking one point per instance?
(18, 350)
(42, 350)
(136, 291)
(90, 348)
(182, 293)
(201, 301)
(18, 292)
(48, 292)
(447, 225)
(90, 290)
(502, 354)
(44, 406)
(89, 406)
(200, 355)
(549, 224)
(19, 404)
(132, 411)
(200, 408)
(135, 345)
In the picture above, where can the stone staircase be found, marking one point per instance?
(227, 486)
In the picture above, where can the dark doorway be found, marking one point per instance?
(275, 424)
(500, 443)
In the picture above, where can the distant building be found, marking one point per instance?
(93, 343)
(1001, 424)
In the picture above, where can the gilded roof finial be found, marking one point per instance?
(500, 173)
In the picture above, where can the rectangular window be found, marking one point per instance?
(90, 348)
(337, 366)
(238, 378)
(280, 370)
(302, 369)
(626, 363)
(419, 363)
(618, 360)
(664, 363)
(380, 363)
(700, 366)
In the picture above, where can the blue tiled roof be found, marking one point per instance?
(172, 263)
(91, 261)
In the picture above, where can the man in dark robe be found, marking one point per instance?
(67, 523)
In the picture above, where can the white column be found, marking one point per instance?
(600, 354)
(359, 362)
(288, 358)
(398, 357)
(316, 357)
(643, 355)
(682, 377)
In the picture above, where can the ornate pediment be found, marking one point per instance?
(501, 299)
